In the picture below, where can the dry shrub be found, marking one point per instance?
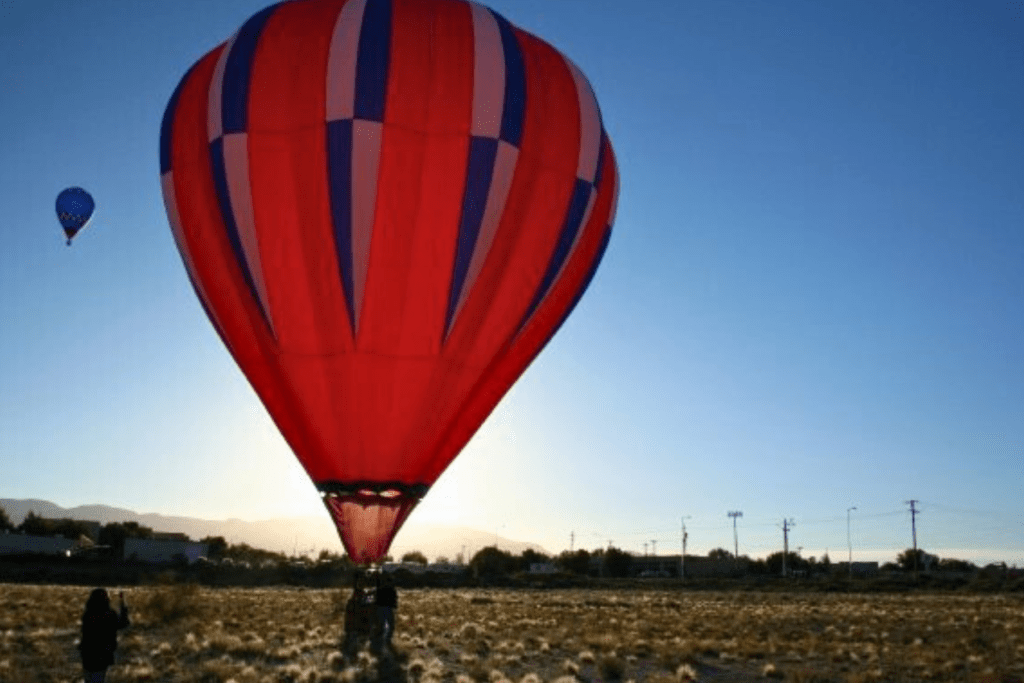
(141, 672)
(167, 604)
(470, 630)
(612, 668)
(417, 667)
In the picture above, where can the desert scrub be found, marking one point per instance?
(281, 634)
(166, 604)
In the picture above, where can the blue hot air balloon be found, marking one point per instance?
(74, 208)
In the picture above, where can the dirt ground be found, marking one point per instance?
(286, 635)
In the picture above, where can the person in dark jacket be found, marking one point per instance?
(359, 616)
(100, 624)
(386, 598)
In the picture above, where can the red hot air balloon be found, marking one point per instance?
(387, 208)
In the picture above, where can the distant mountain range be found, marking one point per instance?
(290, 535)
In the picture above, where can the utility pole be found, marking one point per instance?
(572, 540)
(645, 548)
(787, 524)
(654, 547)
(913, 530)
(735, 537)
(682, 558)
(849, 544)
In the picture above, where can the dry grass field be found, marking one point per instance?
(495, 636)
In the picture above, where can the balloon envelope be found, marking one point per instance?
(386, 208)
(74, 208)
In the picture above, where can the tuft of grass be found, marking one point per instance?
(685, 673)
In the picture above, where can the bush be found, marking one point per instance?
(168, 603)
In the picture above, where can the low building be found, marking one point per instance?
(411, 567)
(654, 566)
(861, 569)
(157, 551)
(23, 544)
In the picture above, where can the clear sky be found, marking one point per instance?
(813, 298)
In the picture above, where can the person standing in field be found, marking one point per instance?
(100, 624)
(387, 602)
(359, 614)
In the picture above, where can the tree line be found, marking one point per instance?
(489, 561)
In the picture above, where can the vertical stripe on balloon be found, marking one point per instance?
(591, 271)
(236, 163)
(174, 218)
(500, 184)
(598, 256)
(235, 72)
(584, 193)
(167, 123)
(357, 68)
(499, 107)
(339, 168)
(590, 125)
(514, 106)
(479, 170)
(229, 156)
(341, 61)
(372, 65)
(366, 141)
(488, 74)
(579, 204)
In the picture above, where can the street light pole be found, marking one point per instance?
(735, 537)
(849, 544)
(682, 558)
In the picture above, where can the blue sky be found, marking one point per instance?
(813, 298)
